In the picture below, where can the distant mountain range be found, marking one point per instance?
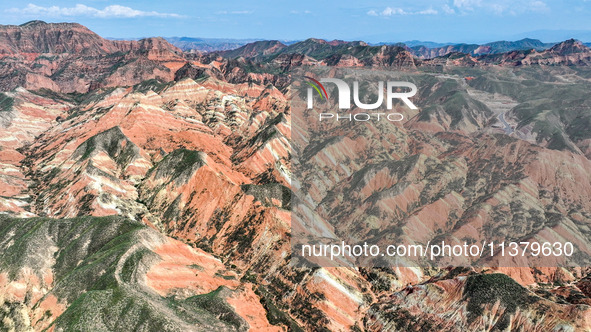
(208, 44)
(356, 53)
(555, 35)
(423, 51)
(420, 49)
(202, 44)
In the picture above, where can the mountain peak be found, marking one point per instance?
(33, 23)
(41, 37)
(569, 46)
(255, 49)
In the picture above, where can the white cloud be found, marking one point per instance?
(468, 4)
(499, 7)
(393, 11)
(447, 9)
(538, 6)
(389, 11)
(112, 11)
(512, 7)
(428, 11)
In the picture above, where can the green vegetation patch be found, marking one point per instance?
(6, 103)
(99, 268)
(151, 85)
(487, 289)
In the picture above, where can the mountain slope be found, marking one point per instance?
(68, 57)
(256, 49)
(95, 274)
(475, 49)
(40, 37)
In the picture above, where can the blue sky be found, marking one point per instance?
(373, 20)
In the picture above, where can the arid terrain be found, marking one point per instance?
(143, 188)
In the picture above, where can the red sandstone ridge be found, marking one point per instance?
(38, 37)
(68, 57)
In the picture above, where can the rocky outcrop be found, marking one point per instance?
(38, 37)
(68, 57)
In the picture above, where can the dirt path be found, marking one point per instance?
(508, 129)
(499, 104)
